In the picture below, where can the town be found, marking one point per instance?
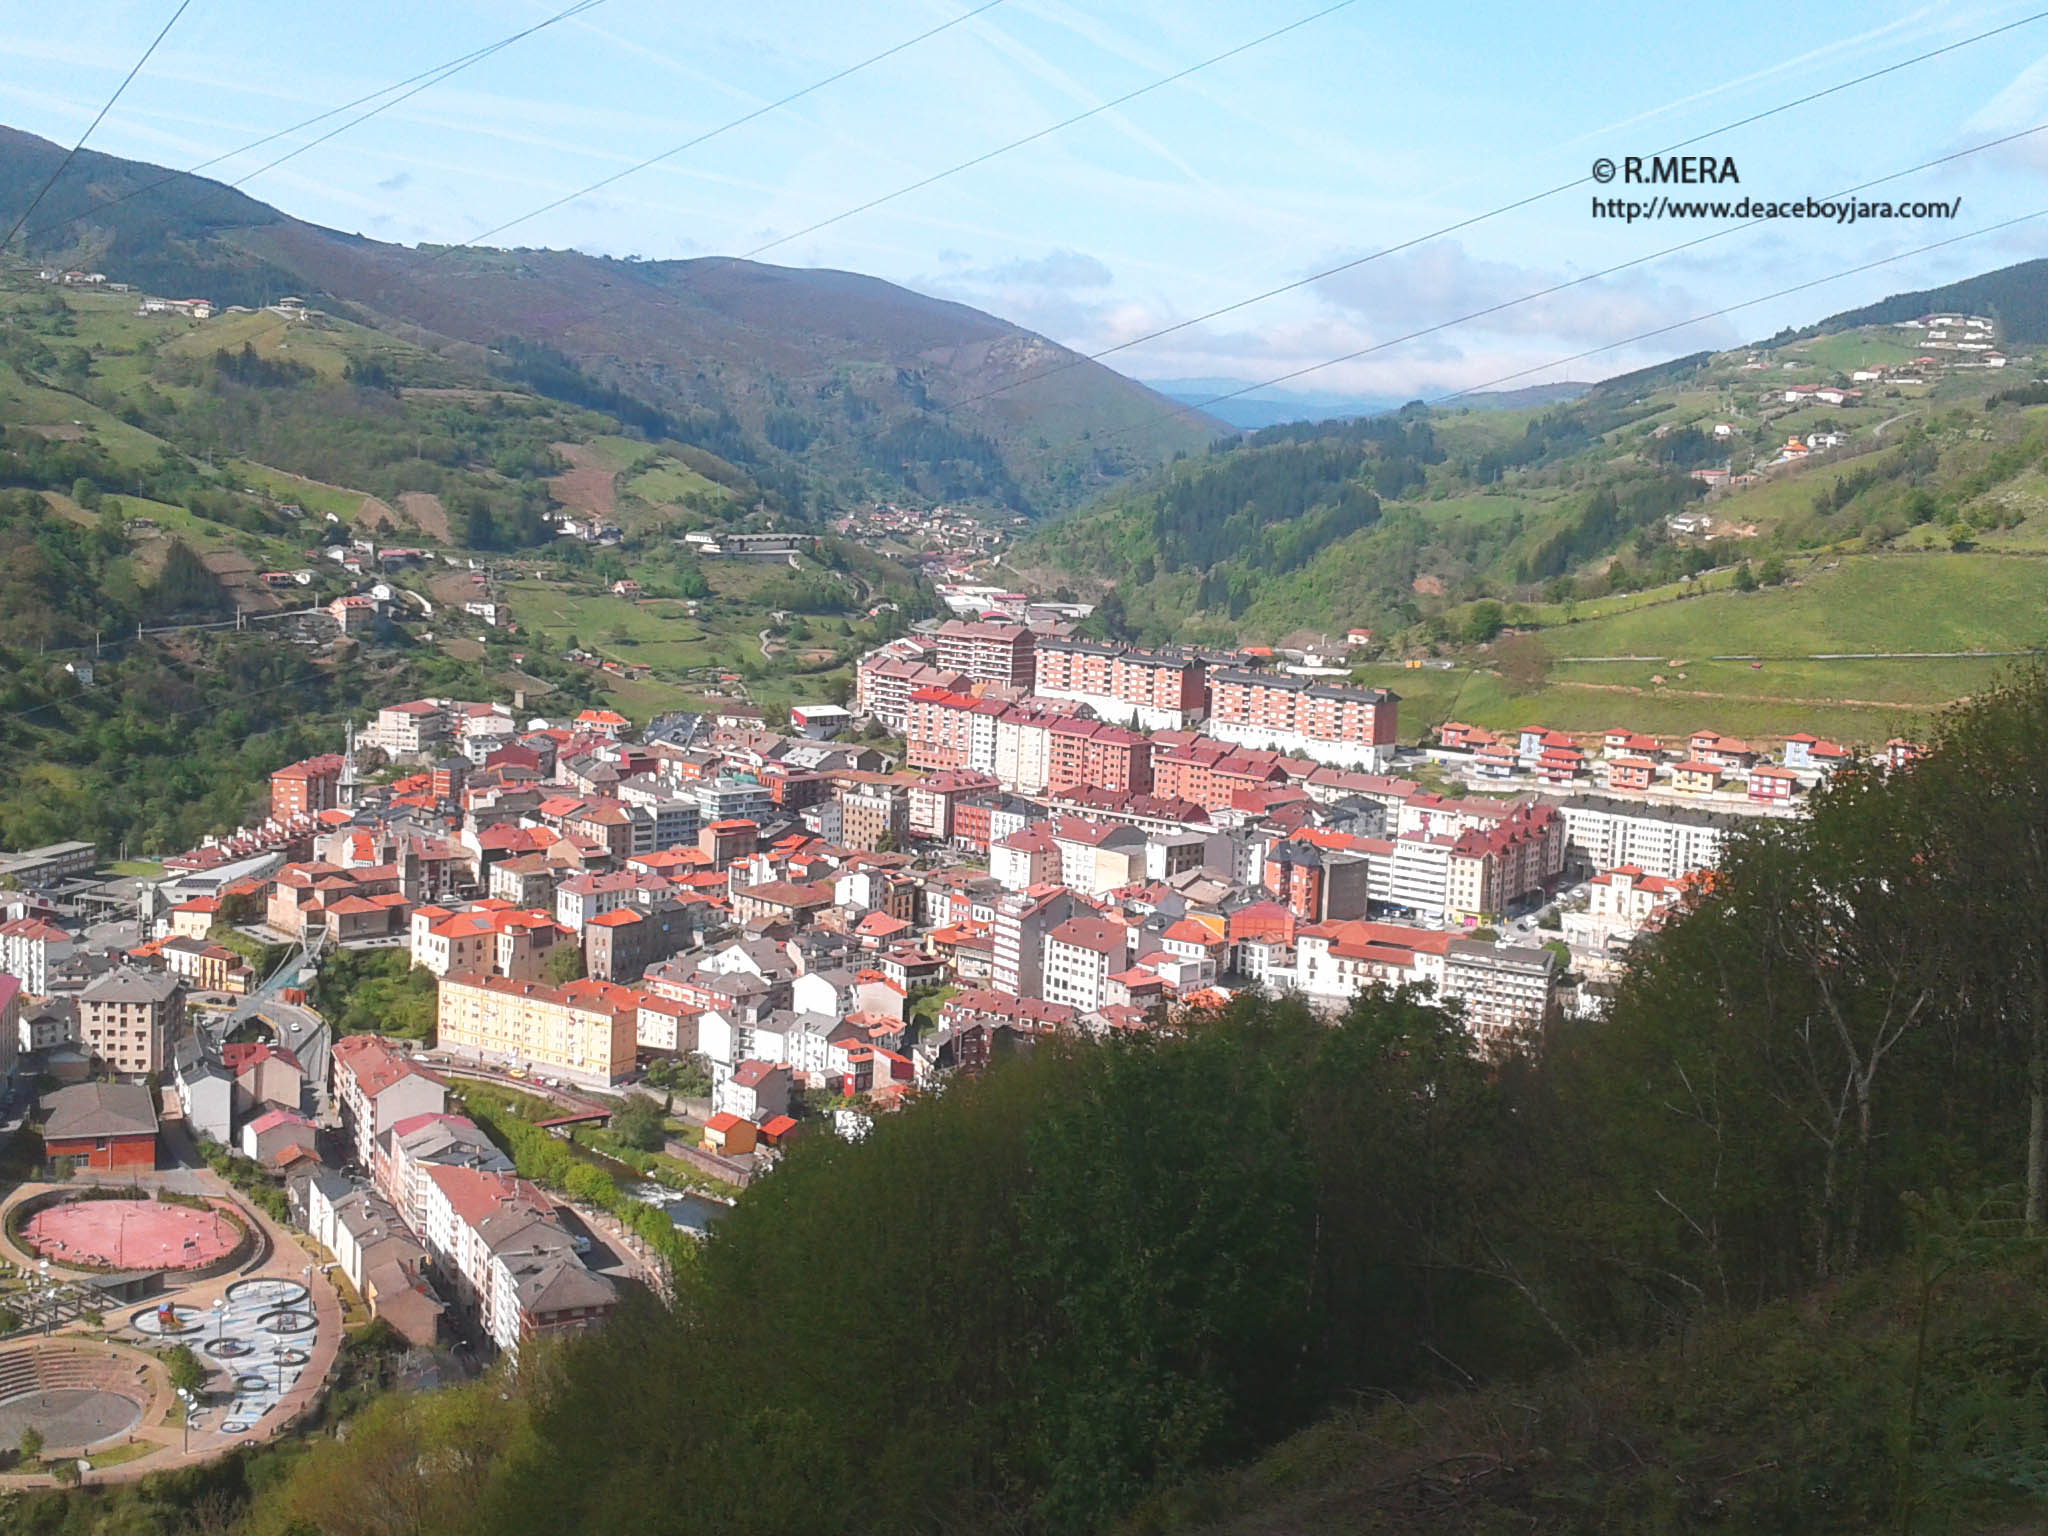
(1012, 833)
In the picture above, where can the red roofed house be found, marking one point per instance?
(756, 1090)
(101, 1125)
(727, 1133)
(1630, 773)
(279, 1136)
(1772, 785)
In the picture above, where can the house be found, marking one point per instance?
(1695, 777)
(757, 1091)
(265, 1076)
(102, 1125)
(730, 1135)
(1630, 773)
(205, 1091)
(278, 1138)
(1772, 785)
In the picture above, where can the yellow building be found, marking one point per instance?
(587, 1030)
(1695, 778)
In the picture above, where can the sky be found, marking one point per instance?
(1365, 129)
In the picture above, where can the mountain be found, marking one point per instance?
(2016, 297)
(1269, 407)
(818, 381)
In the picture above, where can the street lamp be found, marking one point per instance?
(185, 1397)
(220, 1319)
(46, 1295)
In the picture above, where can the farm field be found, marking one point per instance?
(1928, 602)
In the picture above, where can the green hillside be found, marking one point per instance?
(828, 386)
(153, 468)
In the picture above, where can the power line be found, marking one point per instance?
(563, 15)
(1477, 218)
(953, 170)
(1555, 288)
(72, 153)
(1032, 138)
(710, 134)
(438, 73)
(1715, 314)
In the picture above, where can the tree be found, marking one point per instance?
(1983, 781)
(1484, 621)
(187, 1372)
(1745, 578)
(564, 964)
(1523, 662)
(637, 1122)
(31, 1445)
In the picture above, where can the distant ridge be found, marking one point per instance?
(2016, 297)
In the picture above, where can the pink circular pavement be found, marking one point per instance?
(131, 1234)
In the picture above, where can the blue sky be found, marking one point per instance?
(1361, 130)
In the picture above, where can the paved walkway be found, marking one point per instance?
(287, 1260)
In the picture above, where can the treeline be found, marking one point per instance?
(1096, 1271)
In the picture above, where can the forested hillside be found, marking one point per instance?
(1761, 1251)
(828, 386)
(2016, 297)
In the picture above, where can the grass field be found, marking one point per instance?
(1927, 602)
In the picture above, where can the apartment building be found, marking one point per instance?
(932, 803)
(1093, 753)
(31, 949)
(1329, 722)
(1667, 841)
(1022, 921)
(1097, 857)
(1504, 990)
(307, 787)
(409, 729)
(884, 684)
(1210, 773)
(1081, 954)
(487, 937)
(376, 1086)
(1154, 690)
(586, 1030)
(874, 815)
(987, 651)
(510, 1259)
(128, 1018)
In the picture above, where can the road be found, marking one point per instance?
(299, 1030)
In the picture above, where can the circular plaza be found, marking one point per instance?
(131, 1235)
